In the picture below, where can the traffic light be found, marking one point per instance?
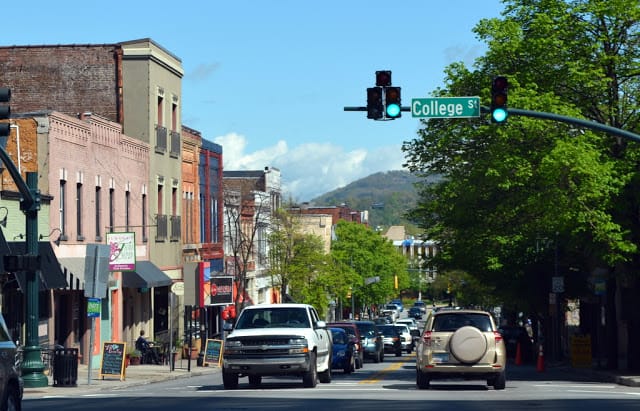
(499, 90)
(383, 78)
(392, 106)
(375, 110)
(5, 111)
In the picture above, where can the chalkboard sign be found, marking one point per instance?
(213, 352)
(113, 356)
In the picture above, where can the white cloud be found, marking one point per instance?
(310, 169)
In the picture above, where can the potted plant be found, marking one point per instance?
(135, 356)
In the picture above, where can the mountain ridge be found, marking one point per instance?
(386, 195)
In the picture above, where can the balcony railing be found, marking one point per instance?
(161, 139)
(175, 144)
(175, 228)
(162, 227)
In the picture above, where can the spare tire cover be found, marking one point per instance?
(468, 344)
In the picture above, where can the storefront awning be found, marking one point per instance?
(51, 276)
(146, 275)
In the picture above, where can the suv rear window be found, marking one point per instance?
(451, 322)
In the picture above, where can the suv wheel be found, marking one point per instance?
(422, 380)
(500, 382)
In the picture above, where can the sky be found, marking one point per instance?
(269, 79)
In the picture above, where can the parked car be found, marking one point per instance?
(371, 340)
(514, 334)
(353, 332)
(344, 353)
(392, 339)
(406, 339)
(11, 384)
(461, 344)
(416, 312)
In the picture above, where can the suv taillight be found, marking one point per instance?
(426, 337)
(497, 336)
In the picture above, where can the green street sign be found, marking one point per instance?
(446, 107)
(93, 307)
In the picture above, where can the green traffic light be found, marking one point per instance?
(393, 110)
(499, 115)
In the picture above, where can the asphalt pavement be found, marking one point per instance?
(136, 375)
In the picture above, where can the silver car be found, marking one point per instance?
(11, 384)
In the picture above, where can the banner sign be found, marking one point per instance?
(122, 254)
(221, 290)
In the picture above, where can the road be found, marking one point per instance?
(387, 385)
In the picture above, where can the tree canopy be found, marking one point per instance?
(517, 197)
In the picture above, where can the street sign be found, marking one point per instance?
(93, 307)
(446, 107)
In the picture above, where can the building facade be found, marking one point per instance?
(136, 84)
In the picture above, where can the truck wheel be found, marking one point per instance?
(325, 377)
(229, 380)
(310, 378)
(255, 380)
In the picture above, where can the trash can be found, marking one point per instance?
(65, 367)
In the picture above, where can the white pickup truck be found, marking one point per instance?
(277, 339)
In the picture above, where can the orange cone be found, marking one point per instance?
(540, 366)
(518, 355)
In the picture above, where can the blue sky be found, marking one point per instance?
(269, 80)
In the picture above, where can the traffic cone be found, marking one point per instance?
(540, 366)
(518, 355)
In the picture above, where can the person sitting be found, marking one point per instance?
(149, 355)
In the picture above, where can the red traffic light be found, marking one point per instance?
(383, 78)
(374, 103)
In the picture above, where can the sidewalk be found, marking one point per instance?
(134, 375)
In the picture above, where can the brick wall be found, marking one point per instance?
(71, 79)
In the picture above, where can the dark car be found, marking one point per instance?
(385, 319)
(344, 356)
(353, 332)
(371, 340)
(512, 335)
(392, 339)
(415, 312)
(421, 305)
(11, 384)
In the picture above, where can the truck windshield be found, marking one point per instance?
(273, 317)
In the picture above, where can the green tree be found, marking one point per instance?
(368, 254)
(508, 189)
(300, 266)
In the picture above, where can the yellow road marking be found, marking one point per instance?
(379, 376)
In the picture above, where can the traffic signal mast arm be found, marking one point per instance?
(569, 120)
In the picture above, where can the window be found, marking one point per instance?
(63, 208)
(112, 211)
(127, 204)
(79, 211)
(144, 218)
(98, 214)
(160, 194)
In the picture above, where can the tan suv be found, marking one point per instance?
(461, 344)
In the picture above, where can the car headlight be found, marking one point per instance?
(298, 341)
